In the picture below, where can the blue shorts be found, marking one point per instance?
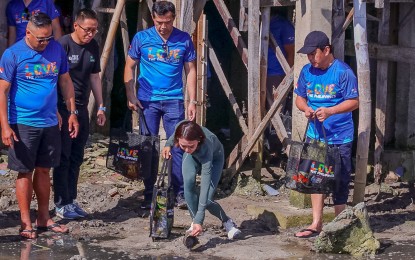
(341, 190)
(37, 147)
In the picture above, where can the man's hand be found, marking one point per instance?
(73, 126)
(165, 153)
(59, 120)
(191, 111)
(101, 118)
(134, 104)
(322, 113)
(197, 230)
(309, 113)
(8, 136)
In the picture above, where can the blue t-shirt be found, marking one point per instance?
(161, 68)
(17, 17)
(327, 88)
(33, 76)
(283, 32)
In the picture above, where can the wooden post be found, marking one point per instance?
(338, 21)
(254, 90)
(124, 32)
(109, 42)
(202, 63)
(240, 153)
(381, 93)
(363, 75)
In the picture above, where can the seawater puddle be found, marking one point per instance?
(59, 247)
(390, 250)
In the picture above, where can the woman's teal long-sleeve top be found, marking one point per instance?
(205, 159)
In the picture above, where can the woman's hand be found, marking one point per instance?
(165, 153)
(197, 230)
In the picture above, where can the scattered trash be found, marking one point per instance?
(112, 192)
(400, 171)
(3, 172)
(270, 190)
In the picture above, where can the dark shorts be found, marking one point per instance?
(37, 147)
(341, 191)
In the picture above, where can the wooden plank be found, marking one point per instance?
(264, 36)
(270, 3)
(243, 25)
(254, 89)
(381, 93)
(234, 33)
(338, 23)
(389, 53)
(202, 58)
(234, 167)
(186, 16)
(124, 32)
(198, 7)
(280, 56)
(225, 85)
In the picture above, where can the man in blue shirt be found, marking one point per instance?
(327, 93)
(29, 73)
(18, 13)
(283, 32)
(162, 52)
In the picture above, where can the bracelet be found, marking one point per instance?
(193, 102)
(102, 109)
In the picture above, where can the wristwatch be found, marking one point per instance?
(193, 102)
(74, 112)
(102, 109)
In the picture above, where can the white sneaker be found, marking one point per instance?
(233, 232)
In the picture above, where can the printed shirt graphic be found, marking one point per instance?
(33, 76)
(327, 88)
(17, 17)
(161, 68)
(283, 32)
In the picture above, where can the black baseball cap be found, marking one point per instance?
(314, 40)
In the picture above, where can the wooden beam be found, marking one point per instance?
(202, 63)
(389, 53)
(284, 89)
(243, 23)
(270, 3)
(107, 50)
(186, 16)
(225, 85)
(124, 32)
(381, 93)
(254, 88)
(280, 56)
(338, 25)
(233, 30)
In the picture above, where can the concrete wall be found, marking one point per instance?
(310, 16)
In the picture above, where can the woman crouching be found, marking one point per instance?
(204, 154)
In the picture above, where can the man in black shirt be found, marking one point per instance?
(83, 57)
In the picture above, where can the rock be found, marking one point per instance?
(112, 192)
(101, 161)
(248, 186)
(5, 202)
(348, 233)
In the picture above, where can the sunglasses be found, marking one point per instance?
(88, 30)
(41, 40)
(166, 49)
(26, 11)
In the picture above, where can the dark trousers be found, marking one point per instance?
(65, 176)
(171, 112)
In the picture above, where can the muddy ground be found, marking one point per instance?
(117, 223)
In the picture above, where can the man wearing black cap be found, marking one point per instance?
(327, 93)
